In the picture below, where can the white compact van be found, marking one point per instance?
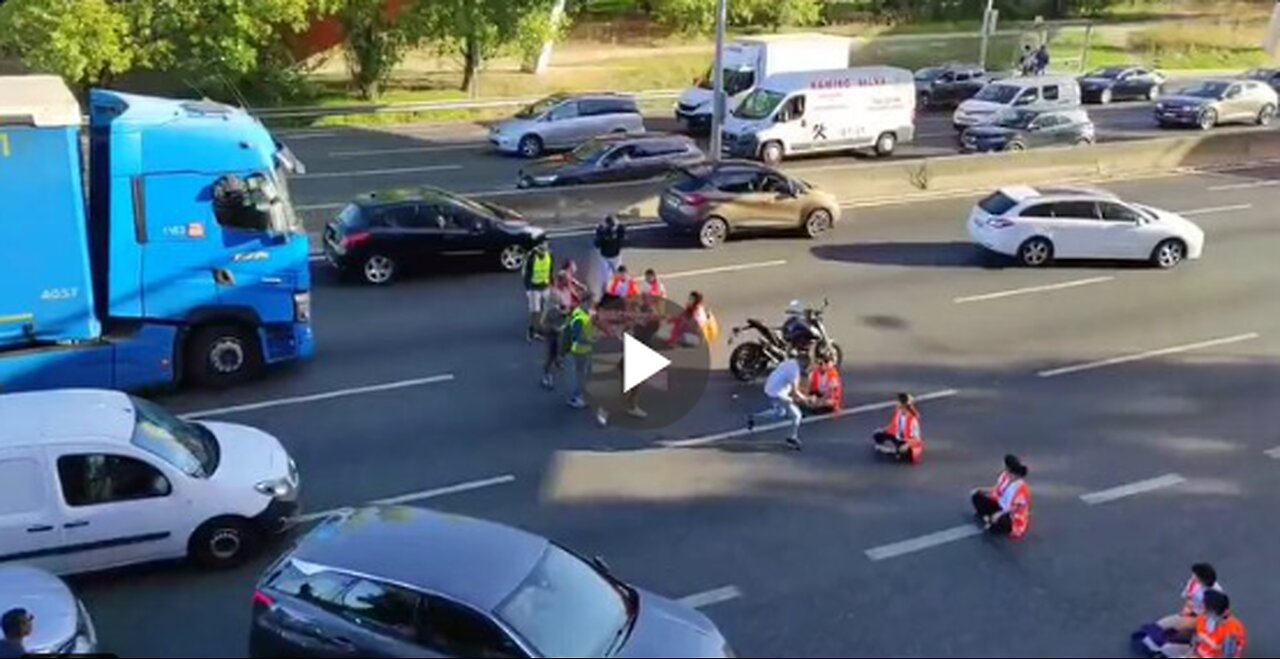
(1032, 92)
(824, 111)
(749, 61)
(93, 479)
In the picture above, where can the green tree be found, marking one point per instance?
(474, 29)
(374, 43)
(87, 42)
(699, 16)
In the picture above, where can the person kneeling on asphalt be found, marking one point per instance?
(1218, 633)
(783, 390)
(1006, 508)
(826, 388)
(901, 439)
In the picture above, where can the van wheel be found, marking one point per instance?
(530, 146)
(818, 222)
(771, 153)
(1035, 252)
(1083, 141)
(713, 232)
(885, 144)
(221, 356)
(223, 542)
(1266, 114)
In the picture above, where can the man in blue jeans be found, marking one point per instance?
(784, 391)
(581, 344)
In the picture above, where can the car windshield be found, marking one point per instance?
(1208, 89)
(736, 81)
(929, 74)
(566, 608)
(1259, 74)
(1002, 94)
(590, 150)
(535, 110)
(189, 447)
(1016, 118)
(759, 104)
(1109, 73)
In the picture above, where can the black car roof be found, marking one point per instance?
(640, 137)
(397, 195)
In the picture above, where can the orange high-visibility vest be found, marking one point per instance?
(906, 427)
(826, 384)
(622, 286)
(1219, 639)
(656, 289)
(1016, 501)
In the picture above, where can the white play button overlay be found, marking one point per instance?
(639, 363)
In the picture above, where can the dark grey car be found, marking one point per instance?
(948, 84)
(409, 582)
(1120, 83)
(613, 158)
(1018, 129)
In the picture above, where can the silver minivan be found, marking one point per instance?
(563, 122)
(1031, 92)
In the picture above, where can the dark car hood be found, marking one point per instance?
(555, 165)
(1185, 101)
(1096, 83)
(667, 629)
(993, 132)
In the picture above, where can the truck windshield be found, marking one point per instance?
(189, 447)
(759, 104)
(736, 81)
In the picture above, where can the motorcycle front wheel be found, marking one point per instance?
(747, 361)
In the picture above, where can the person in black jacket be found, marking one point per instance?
(610, 236)
(17, 624)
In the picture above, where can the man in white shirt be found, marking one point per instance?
(784, 390)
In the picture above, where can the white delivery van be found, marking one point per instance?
(823, 111)
(749, 61)
(1031, 92)
(93, 479)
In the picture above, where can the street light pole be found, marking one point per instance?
(717, 77)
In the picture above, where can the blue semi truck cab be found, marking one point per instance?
(171, 253)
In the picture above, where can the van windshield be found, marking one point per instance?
(539, 108)
(189, 447)
(759, 104)
(1002, 94)
(736, 81)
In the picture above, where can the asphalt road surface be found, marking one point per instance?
(1143, 401)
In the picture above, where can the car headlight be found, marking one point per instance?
(546, 178)
(276, 487)
(302, 307)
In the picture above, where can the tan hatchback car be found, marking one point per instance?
(715, 201)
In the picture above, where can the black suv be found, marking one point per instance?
(949, 84)
(613, 158)
(381, 234)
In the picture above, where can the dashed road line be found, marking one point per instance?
(406, 150)
(725, 268)
(1132, 489)
(378, 172)
(1150, 354)
(312, 398)
(1243, 186)
(954, 534)
(1215, 209)
(433, 493)
(1075, 283)
(742, 432)
(1274, 453)
(711, 597)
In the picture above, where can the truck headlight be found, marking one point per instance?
(302, 307)
(276, 487)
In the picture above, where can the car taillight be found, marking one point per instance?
(262, 599)
(999, 223)
(694, 200)
(355, 240)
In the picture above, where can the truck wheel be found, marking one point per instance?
(771, 153)
(222, 543)
(885, 144)
(220, 356)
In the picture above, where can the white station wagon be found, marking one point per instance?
(1038, 225)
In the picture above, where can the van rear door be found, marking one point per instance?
(30, 524)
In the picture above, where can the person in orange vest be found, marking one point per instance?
(1006, 508)
(1203, 579)
(653, 288)
(621, 286)
(826, 388)
(901, 439)
(1219, 635)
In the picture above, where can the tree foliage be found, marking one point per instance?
(84, 41)
(374, 43)
(699, 16)
(476, 30)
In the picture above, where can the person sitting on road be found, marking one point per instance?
(1006, 508)
(901, 439)
(695, 325)
(621, 286)
(1218, 634)
(653, 289)
(826, 388)
(1203, 579)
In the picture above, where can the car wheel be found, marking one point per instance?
(885, 144)
(1083, 141)
(512, 257)
(530, 146)
(771, 153)
(222, 543)
(221, 356)
(1169, 253)
(1106, 96)
(1208, 119)
(524, 183)
(1163, 124)
(378, 269)
(924, 100)
(1153, 93)
(818, 222)
(713, 232)
(1015, 146)
(1035, 252)
(1266, 114)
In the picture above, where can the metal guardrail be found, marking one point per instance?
(429, 106)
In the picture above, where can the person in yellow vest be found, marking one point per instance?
(581, 337)
(537, 285)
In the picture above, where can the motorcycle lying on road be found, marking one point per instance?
(804, 332)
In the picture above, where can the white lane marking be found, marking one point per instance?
(1243, 186)
(587, 230)
(1033, 289)
(312, 398)
(861, 409)
(725, 268)
(1173, 350)
(316, 258)
(514, 191)
(954, 534)
(379, 172)
(412, 149)
(288, 137)
(457, 488)
(1132, 489)
(1215, 209)
(1274, 453)
(322, 207)
(711, 597)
